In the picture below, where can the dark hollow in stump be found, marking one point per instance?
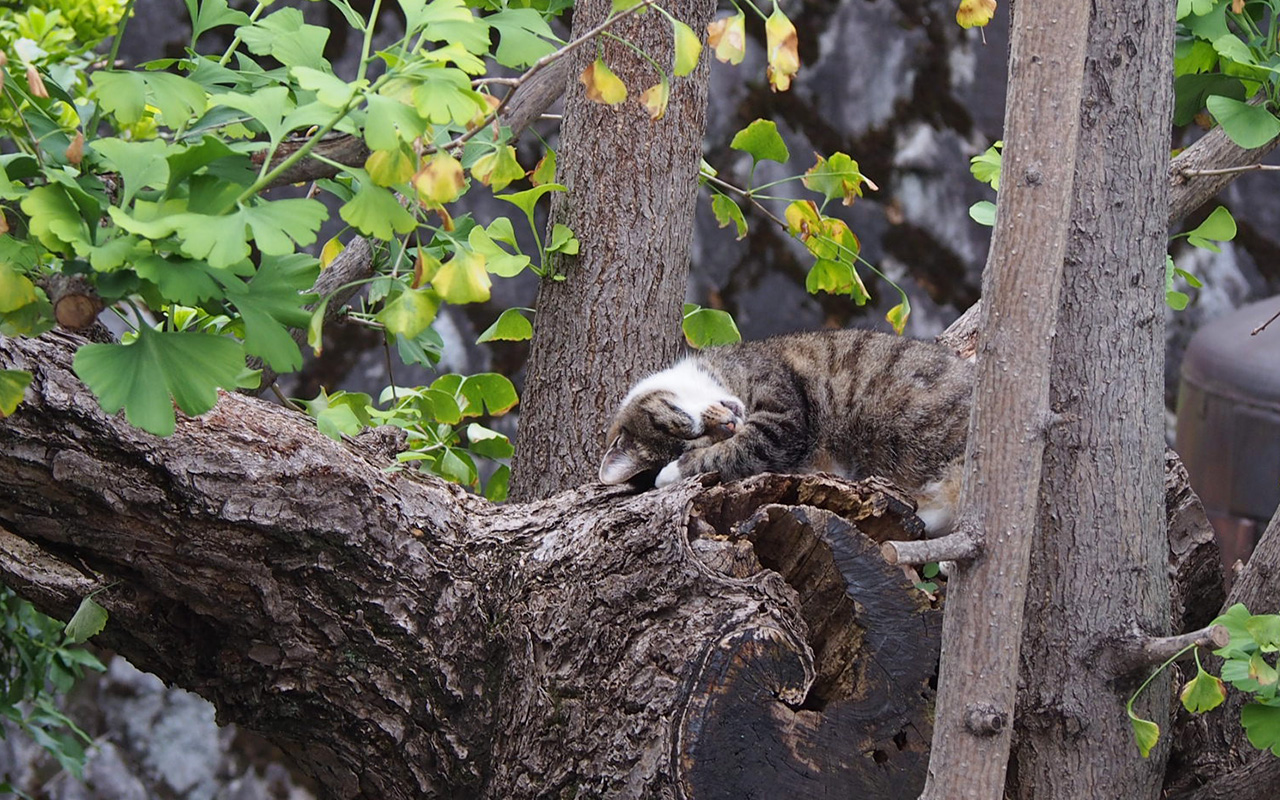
(846, 714)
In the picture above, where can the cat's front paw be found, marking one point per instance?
(669, 475)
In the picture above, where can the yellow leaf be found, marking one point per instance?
(975, 13)
(729, 38)
(781, 49)
(803, 219)
(439, 181)
(655, 98)
(330, 251)
(389, 167)
(688, 48)
(602, 85)
(463, 279)
(425, 268)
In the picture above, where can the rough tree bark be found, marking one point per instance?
(1099, 564)
(401, 638)
(631, 188)
(978, 677)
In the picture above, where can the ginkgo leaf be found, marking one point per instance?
(440, 180)
(762, 140)
(602, 85)
(498, 169)
(271, 303)
(839, 177)
(375, 212)
(1203, 693)
(781, 50)
(898, 315)
(14, 382)
(497, 261)
(389, 167)
(975, 13)
(88, 621)
(687, 47)
(141, 377)
(655, 98)
(16, 290)
(708, 327)
(411, 312)
(463, 278)
(729, 38)
(510, 326)
(545, 171)
(1145, 732)
(727, 212)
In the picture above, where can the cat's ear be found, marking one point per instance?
(619, 464)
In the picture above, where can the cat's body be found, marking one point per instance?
(854, 403)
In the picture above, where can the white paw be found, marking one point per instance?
(670, 474)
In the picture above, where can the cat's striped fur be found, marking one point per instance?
(855, 403)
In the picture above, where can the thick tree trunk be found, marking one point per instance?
(401, 638)
(631, 190)
(1099, 566)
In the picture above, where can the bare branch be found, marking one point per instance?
(958, 546)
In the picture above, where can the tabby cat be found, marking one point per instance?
(852, 402)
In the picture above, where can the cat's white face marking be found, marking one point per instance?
(693, 391)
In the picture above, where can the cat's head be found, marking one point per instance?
(664, 416)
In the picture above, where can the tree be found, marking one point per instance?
(401, 637)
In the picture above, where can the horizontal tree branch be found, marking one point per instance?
(958, 546)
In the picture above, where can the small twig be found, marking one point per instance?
(746, 194)
(537, 67)
(1264, 325)
(1197, 173)
(284, 401)
(958, 546)
(1157, 649)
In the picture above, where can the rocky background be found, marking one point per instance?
(893, 83)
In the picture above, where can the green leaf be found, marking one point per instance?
(208, 14)
(340, 413)
(529, 198)
(56, 220)
(1219, 226)
(545, 171)
(986, 167)
(374, 211)
(221, 240)
(121, 94)
(272, 302)
(1191, 92)
(390, 122)
(496, 260)
(278, 224)
(1248, 126)
(1262, 725)
(142, 376)
(837, 177)
(447, 21)
(488, 443)
(463, 278)
(285, 36)
(411, 312)
(688, 47)
(329, 88)
(180, 280)
(445, 97)
(524, 37)
(510, 326)
(762, 141)
(1265, 630)
(496, 489)
(488, 393)
(727, 212)
(1203, 692)
(179, 99)
(709, 327)
(1231, 48)
(88, 621)
(16, 290)
(983, 212)
(14, 383)
(563, 241)
(268, 106)
(1145, 732)
(833, 277)
(140, 164)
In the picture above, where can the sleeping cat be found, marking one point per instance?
(852, 402)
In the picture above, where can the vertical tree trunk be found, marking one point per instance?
(983, 623)
(631, 189)
(1099, 577)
